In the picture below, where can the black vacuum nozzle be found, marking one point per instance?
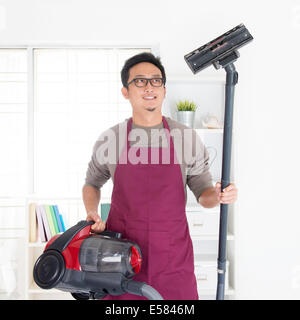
(49, 269)
(218, 49)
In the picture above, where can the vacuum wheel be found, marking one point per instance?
(49, 269)
(88, 296)
(80, 295)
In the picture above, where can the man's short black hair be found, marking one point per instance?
(138, 58)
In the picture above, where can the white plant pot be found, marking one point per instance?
(186, 117)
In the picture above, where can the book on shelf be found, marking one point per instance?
(33, 224)
(53, 216)
(45, 222)
(41, 209)
(41, 234)
(50, 220)
(104, 209)
(58, 219)
(62, 223)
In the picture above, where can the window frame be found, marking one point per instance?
(30, 47)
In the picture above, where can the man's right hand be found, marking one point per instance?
(99, 224)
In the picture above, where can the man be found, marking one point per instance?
(148, 199)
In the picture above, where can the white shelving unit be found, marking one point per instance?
(206, 243)
(204, 233)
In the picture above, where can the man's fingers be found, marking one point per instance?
(226, 199)
(229, 198)
(99, 224)
(228, 188)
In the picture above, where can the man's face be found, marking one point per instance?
(149, 98)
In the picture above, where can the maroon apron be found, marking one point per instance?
(148, 208)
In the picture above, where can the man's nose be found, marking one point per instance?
(149, 87)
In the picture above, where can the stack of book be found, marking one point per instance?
(45, 222)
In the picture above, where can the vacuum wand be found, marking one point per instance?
(222, 52)
(231, 81)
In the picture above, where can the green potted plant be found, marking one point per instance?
(186, 112)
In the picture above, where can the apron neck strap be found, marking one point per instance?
(167, 131)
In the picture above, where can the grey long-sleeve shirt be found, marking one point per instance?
(190, 152)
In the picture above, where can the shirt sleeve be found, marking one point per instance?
(198, 175)
(97, 174)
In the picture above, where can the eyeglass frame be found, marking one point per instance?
(148, 80)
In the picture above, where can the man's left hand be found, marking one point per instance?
(228, 195)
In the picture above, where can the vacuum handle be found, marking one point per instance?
(63, 241)
(110, 234)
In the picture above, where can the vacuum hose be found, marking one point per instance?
(142, 289)
(150, 293)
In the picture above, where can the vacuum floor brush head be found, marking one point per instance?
(218, 49)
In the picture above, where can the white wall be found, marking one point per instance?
(266, 104)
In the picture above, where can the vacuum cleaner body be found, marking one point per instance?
(88, 264)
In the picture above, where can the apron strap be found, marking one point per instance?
(167, 132)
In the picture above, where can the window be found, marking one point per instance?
(74, 95)
(77, 96)
(13, 121)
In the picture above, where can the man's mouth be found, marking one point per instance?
(149, 97)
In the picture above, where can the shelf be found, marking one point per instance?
(37, 197)
(37, 244)
(35, 289)
(207, 78)
(230, 237)
(54, 197)
(205, 259)
(204, 130)
(194, 207)
(207, 292)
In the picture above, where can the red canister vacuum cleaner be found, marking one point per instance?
(91, 265)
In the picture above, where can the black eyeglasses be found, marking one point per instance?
(143, 82)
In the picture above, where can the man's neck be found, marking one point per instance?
(148, 121)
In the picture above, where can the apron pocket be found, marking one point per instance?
(159, 248)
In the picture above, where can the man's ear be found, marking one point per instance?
(125, 92)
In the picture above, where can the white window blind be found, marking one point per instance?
(13, 121)
(77, 97)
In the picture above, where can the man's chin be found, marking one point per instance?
(151, 109)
